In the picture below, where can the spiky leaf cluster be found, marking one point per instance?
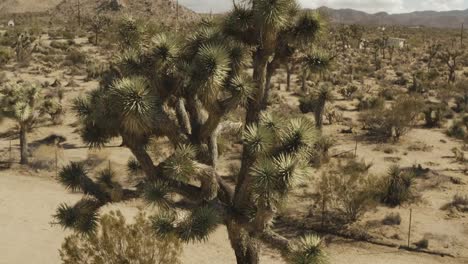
(82, 217)
(194, 227)
(21, 102)
(307, 250)
(316, 61)
(281, 149)
(181, 165)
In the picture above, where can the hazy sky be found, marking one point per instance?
(372, 6)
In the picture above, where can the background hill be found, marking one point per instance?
(23, 6)
(447, 19)
(162, 10)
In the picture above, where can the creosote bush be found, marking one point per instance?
(116, 242)
(394, 122)
(347, 196)
(392, 219)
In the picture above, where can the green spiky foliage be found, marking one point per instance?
(308, 250)
(183, 89)
(316, 61)
(24, 103)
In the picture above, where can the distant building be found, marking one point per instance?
(396, 43)
(11, 23)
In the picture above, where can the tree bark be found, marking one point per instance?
(269, 74)
(23, 145)
(182, 116)
(288, 77)
(245, 248)
(319, 114)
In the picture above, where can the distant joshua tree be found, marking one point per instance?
(23, 103)
(183, 90)
(450, 57)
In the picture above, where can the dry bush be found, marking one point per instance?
(423, 243)
(75, 57)
(368, 103)
(394, 122)
(346, 196)
(349, 91)
(119, 242)
(392, 219)
(43, 157)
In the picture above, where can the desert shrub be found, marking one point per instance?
(394, 122)
(6, 54)
(355, 167)
(367, 103)
(388, 93)
(319, 154)
(95, 70)
(423, 243)
(76, 57)
(43, 158)
(392, 219)
(54, 109)
(401, 79)
(461, 104)
(459, 129)
(346, 196)
(307, 104)
(332, 114)
(62, 45)
(435, 114)
(119, 242)
(348, 91)
(395, 188)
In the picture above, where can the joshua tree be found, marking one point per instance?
(376, 46)
(22, 102)
(24, 47)
(315, 62)
(316, 103)
(323, 95)
(97, 25)
(450, 57)
(432, 52)
(184, 91)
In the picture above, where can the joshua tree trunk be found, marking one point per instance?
(23, 145)
(182, 116)
(288, 77)
(451, 78)
(213, 147)
(245, 248)
(319, 113)
(260, 77)
(269, 74)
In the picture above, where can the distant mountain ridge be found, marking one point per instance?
(163, 10)
(443, 19)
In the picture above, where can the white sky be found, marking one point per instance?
(371, 6)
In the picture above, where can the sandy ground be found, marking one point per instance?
(27, 204)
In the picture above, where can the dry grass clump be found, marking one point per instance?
(392, 219)
(459, 203)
